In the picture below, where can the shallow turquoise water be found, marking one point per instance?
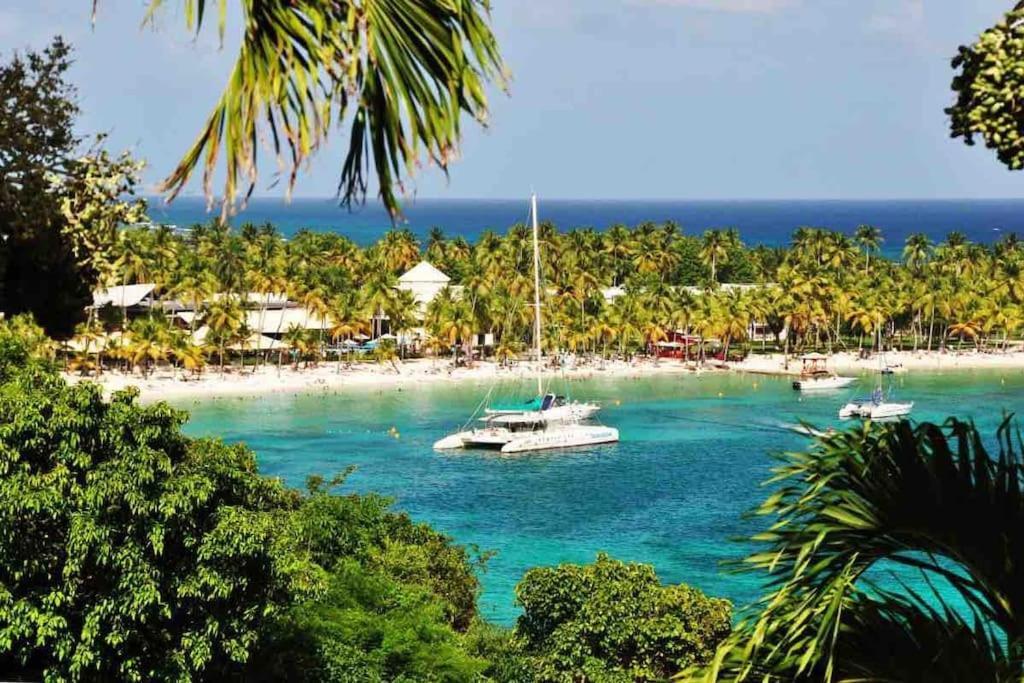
(694, 452)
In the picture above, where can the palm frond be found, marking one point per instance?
(926, 498)
(398, 73)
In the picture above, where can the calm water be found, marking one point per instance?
(759, 222)
(694, 452)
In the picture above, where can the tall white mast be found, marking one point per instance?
(536, 295)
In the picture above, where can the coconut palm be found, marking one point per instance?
(399, 75)
(715, 249)
(928, 502)
(870, 239)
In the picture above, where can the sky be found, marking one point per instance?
(610, 99)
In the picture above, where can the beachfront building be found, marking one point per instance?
(132, 300)
(425, 282)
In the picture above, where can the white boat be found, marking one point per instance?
(822, 382)
(816, 376)
(546, 422)
(886, 409)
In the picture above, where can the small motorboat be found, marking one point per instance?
(816, 376)
(875, 407)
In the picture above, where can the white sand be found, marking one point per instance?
(165, 385)
(909, 361)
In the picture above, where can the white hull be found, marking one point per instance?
(874, 411)
(571, 436)
(884, 410)
(507, 441)
(823, 383)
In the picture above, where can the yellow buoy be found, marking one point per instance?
(720, 394)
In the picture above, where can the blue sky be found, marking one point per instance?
(703, 99)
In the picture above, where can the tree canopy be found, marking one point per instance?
(613, 621)
(60, 203)
(989, 84)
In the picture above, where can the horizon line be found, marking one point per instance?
(413, 200)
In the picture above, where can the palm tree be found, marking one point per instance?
(148, 342)
(928, 502)
(869, 238)
(306, 66)
(715, 250)
(224, 318)
(916, 251)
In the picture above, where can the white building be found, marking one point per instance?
(425, 282)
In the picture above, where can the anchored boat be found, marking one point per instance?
(816, 376)
(547, 421)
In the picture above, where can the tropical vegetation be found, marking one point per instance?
(894, 554)
(612, 293)
(129, 551)
(398, 75)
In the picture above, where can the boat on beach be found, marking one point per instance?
(816, 376)
(547, 421)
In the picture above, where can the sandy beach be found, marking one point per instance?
(906, 361)
(166, 385)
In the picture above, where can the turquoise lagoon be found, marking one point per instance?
(694, 453)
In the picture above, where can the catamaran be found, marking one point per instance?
(547, 421)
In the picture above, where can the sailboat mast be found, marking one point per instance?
(536, 295)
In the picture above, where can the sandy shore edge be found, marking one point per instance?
(165, 385)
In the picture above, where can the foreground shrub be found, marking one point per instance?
(613, 621)
(128, 551)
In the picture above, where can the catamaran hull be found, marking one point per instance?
(452, 442)
(574, 437)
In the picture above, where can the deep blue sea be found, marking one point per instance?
(694, 453)
(759, 222)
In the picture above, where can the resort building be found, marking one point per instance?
(134, 300)
(425, 282)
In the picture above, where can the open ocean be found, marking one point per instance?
(694, 453)
(759, 222)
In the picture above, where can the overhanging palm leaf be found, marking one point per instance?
(398, 73)
(924, 497)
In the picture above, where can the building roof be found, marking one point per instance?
(424, 271)
(278, 320)
(122, 295)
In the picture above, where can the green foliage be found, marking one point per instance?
(367, 627)
(59, 205)
(613, 621)
(23, 343)
(398, 75)
(988, 84)
(929, 500)
(333, 528)
(130, 552)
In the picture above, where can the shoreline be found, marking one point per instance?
(164, 385)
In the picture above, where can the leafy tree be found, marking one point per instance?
(613, 621)
(930, 501)
(988, 83)
(399, 595)
(58, 208)
(130, 552)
